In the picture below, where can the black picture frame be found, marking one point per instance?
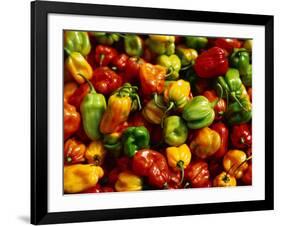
(39, 112)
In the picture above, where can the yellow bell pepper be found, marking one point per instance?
(205, 143)
(80, 177)
(76, 64)
(224, 180)
(95, 153)
(127, 181)
(153, 113)
(235, 163)
(178, 158)
(162, 38)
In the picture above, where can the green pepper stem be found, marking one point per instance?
(242, 163)
(214, 103)
(155, 98)
(238, 101)
(180, 166)
(172, 104)
(136, 96)
(186, 67)
(67, 51)
(92, 89)
(122, 36)
(171, 71)
(102, 56)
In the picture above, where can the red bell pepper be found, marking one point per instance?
(220, 107)
(197, 173)
(212, 63)
(222, 130)
(132, 69)
(153, 165)
(228, 43)
(241, 136)
(74, 151)
(247, 176)
(104, 55)
(174, 181)
(106, 80)
(120, 61)
(76, 98)
(98, 189)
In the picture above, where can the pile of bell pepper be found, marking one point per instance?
(145, 112)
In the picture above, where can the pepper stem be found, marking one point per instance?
(242, 163)
(165, 113)
(155, 98)
(186, 67)
(171, 71)
(180, 166)
(215, 102)
(92, 89)
(102, 56)
(238, 101)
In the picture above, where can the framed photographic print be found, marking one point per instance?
(144, 112)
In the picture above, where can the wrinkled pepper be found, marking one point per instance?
(135, 138)
(152, 165)
(173, 65)
(71, 119)
(205, 143)
(186, 55)
(241, 136)
(199, 112)
(104, 55)
(161, 44)
(128, 181)
(80, 177)
(106, 80)
(77, 65)
(77, 41)
(178, 158)
(235, 163)
(92, 108)
(240, 59)
(152, 78)
(224, 180)
(220, 107)
(74, 151)
(212, 63)
(222, 130)
(197, 174)
(152, 112)
(196, 42)
(95, 153)
(133, 45)
(106, 38)
(175, 130)
(120, 104)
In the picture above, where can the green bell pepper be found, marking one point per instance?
(199, 112)
(236, 114)
(247, 77)
(76, 41)
(240, 60)
(106, 38)
(160, 46)
(175, 130)
(133, 45)
(113, 143)
(196, 42)
(172, 63)
(92, 108)
(134, 139)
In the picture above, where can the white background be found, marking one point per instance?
(15, 113)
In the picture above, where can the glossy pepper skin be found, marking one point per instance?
(235, 114)
(152, 78)
(79, 177)
(104, 55)
(106, 80)
(92, 108)
(152, 112)
(69, 89)
(196, 42)
(132, 69)
(205, 143)
(77, 41)
(128, 181)
(197, 174)
(241, 136)
(178, 158)
(247, 175)
(235, 163)
(186, 55)
(120, 61)
(175, 130)
(113, 143)
(71, 119)
(240, 60)
(77, 97)
(95, 153)
(220, 107)
(120, 104)
(173, 65)
(228, 43)
(133, 45)
(74, 151)
(224, 180)
(135, 138)
(211, 64)
(106, 38)
(161, 44)
(222, 130)
(199, 112)
(153, 165)
(77, 65)
(247, 77)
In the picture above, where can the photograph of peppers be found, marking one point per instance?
(147, 112)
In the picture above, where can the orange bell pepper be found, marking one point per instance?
(74, 151)
(224, 180)
(71, 118)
